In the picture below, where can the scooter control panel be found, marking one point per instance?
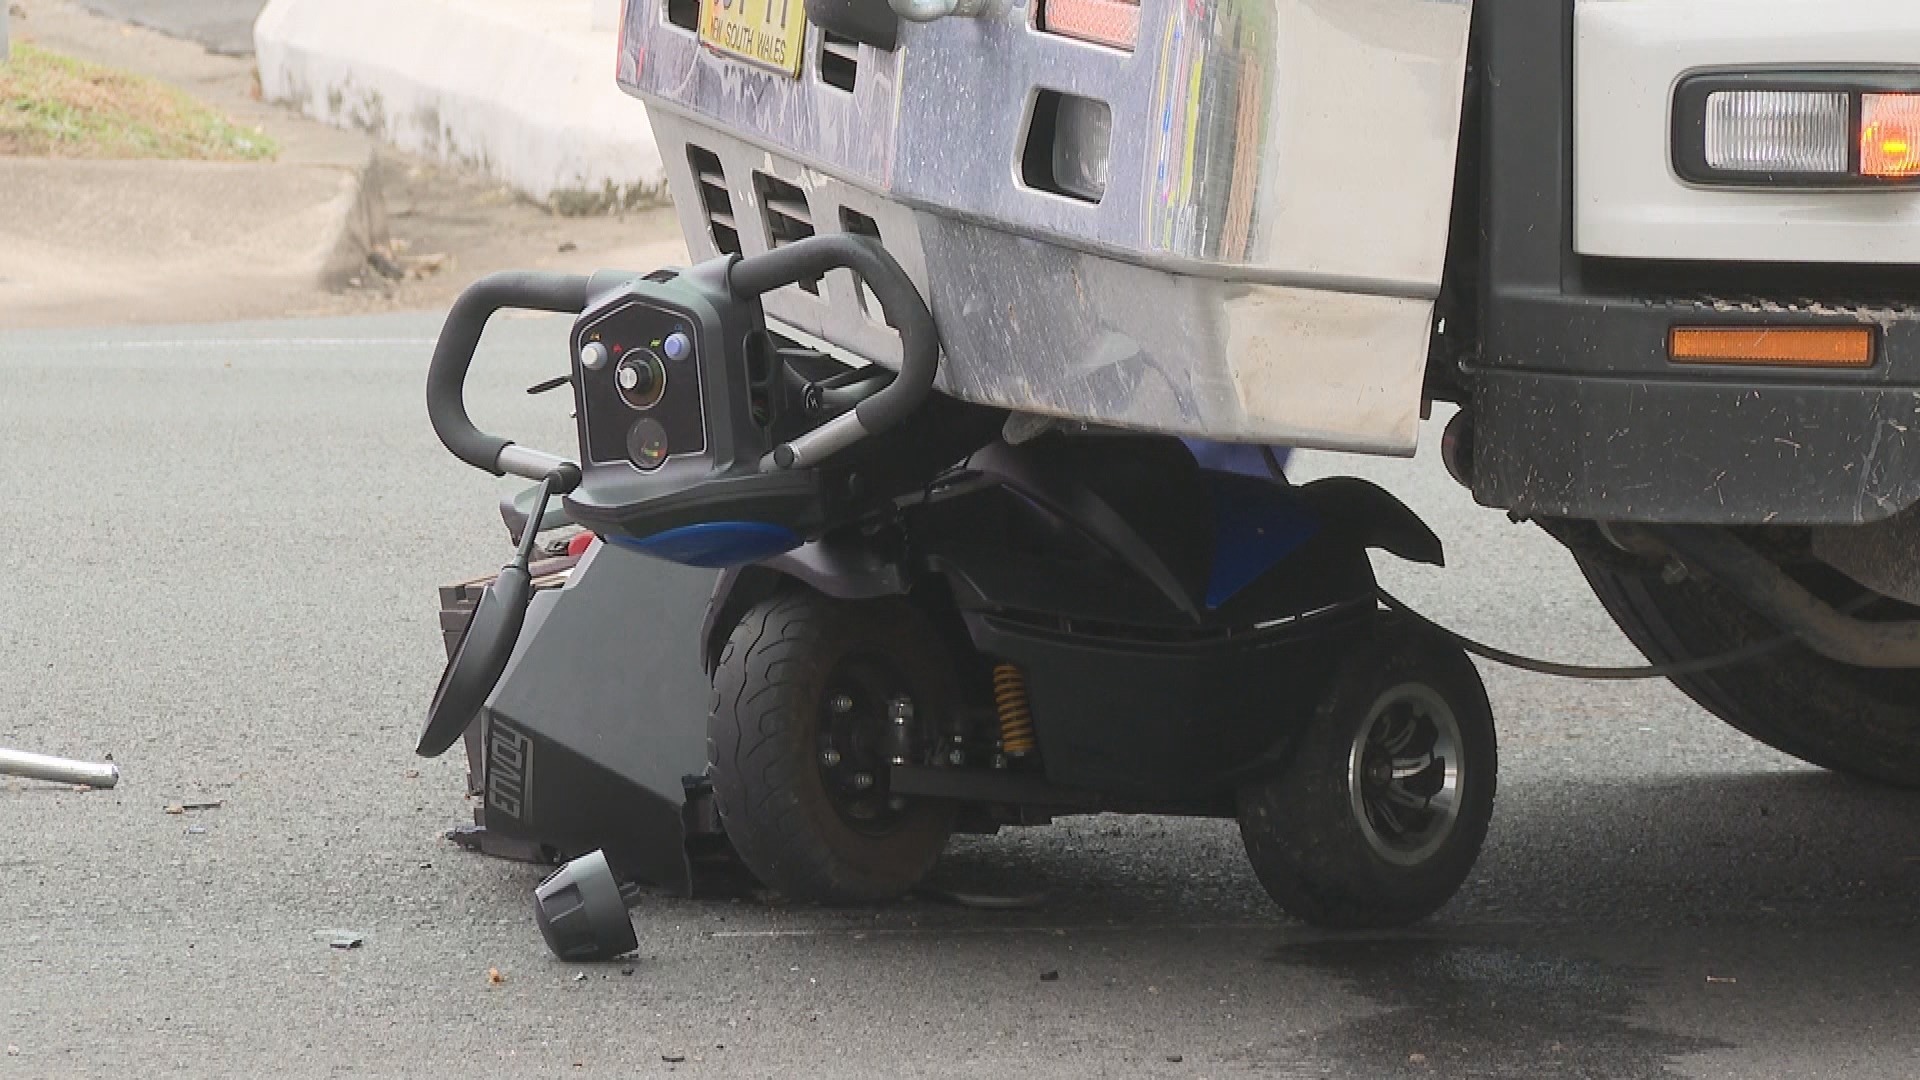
(640, 393)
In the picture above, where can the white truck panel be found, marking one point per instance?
(1629, 55)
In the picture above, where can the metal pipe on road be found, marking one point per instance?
(58, 770)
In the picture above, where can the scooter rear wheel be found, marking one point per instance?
(797, 744)
(1380, 814)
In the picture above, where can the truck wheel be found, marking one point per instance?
(1850, 720)
(1379, 816)
(797, 745)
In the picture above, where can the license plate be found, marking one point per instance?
(765, 33)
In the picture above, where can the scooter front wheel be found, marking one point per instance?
(1380, 815)
(798, 745)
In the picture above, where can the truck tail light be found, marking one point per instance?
(1114, 23)
(1890, 136)
(1779, 346)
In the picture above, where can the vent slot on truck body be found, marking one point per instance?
(839, 60)
(789, 219)
(715, 200)
(856, 223)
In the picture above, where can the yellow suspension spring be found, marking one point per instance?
(1016, 716)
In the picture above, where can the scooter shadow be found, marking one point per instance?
(1688, 850)
(1616, 927)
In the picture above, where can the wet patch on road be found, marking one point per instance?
(1472, 1009)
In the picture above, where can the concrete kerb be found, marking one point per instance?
(131, 240)
(523, 91)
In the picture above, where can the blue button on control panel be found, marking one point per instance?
(677, 346)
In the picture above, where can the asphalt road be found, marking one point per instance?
(220, 569)
(224, 26)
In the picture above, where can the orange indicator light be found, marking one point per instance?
(1792, 346)
(1890, 136)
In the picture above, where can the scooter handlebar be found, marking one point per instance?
(567, 294)
(899, 299)
(453, 355)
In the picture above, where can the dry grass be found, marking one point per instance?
(56, 106)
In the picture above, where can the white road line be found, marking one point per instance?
(933, 931)
(219, 343)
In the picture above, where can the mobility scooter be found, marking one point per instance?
(932, 615)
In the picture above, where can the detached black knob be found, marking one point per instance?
(581, 912)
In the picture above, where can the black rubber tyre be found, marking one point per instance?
(775, 687)
(1317, 839)
(1851, 720)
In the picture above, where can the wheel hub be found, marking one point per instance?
(1405, 774)
(852, 751)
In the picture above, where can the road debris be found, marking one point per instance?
(341, 939)
(390, 262)
(983, 901)
(426, 266)
(190, 807)
(673, 1059)
(494, 977)
(1049, 976)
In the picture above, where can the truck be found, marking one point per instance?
(1655, 257)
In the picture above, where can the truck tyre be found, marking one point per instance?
(1379, 815)
(1855, 721)
(796, 745)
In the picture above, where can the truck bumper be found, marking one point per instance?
(1607, 449)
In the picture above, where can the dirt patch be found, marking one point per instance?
(450, 226)
(53, 105)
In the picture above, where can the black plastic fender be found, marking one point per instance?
(836, 567)
(1355, 515)
(1367, 515)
